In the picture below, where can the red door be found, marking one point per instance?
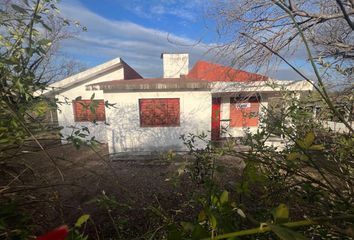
(215, 119)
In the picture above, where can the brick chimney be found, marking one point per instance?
(175, 64)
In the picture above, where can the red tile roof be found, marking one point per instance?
(218, 73)
(199, 77)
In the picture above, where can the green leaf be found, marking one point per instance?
(307, 141)
(224, 198)
(78, 98)
(213, 222)
(92, 96)
(82, 220)
(318, 147)
(199, 233)
(285, 233)
(214, 199)
(44, 42)
(4, 140)
(187, 226)
(92, 108)
(281, 214)
(296, 155)
(19, 9)
(8, 61)
(201, 216)
(173, 233)
(293, 156)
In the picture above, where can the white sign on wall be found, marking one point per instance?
(243, 105)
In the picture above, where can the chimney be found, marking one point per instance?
(175, 64)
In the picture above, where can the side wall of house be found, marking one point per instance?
(125, 134)
(225, 117)
(66, 111)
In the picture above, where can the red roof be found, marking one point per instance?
(218, 73)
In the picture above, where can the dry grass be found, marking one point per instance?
(137, 185)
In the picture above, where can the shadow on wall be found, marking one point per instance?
(125, 134)
(69, 126)
(96, 130)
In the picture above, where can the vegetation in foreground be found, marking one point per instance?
(302, 191)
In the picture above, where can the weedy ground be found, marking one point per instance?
(135, 195)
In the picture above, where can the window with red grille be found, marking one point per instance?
(244, 112)
(89, 110)
(159, 112)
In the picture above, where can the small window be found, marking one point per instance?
(89, 110)
(159, 112)
(244, 112)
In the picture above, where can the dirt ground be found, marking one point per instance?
(136, 187)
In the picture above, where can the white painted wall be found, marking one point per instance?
(66, 111)
(175, 65)
(225, 115)
(124, 133)
(338, 127)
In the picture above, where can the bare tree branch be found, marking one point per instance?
(345, 14)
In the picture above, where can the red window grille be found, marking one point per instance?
(159, 112)
(244, 112)
(89, 110)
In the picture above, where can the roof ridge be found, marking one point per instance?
(210, 71)
(88, 73)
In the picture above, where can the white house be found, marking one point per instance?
(150, 114)
(74, 87)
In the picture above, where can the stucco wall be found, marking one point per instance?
(66, 113)
(225, 115)
(124, 133)
(336, 126)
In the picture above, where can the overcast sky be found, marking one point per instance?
(138, 31)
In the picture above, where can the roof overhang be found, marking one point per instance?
(182, 84)
(159, 84)
(261, 86)
(84, 76)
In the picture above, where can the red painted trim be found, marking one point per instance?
(215, 118)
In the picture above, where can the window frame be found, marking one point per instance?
(88, 119)
(159, 124)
